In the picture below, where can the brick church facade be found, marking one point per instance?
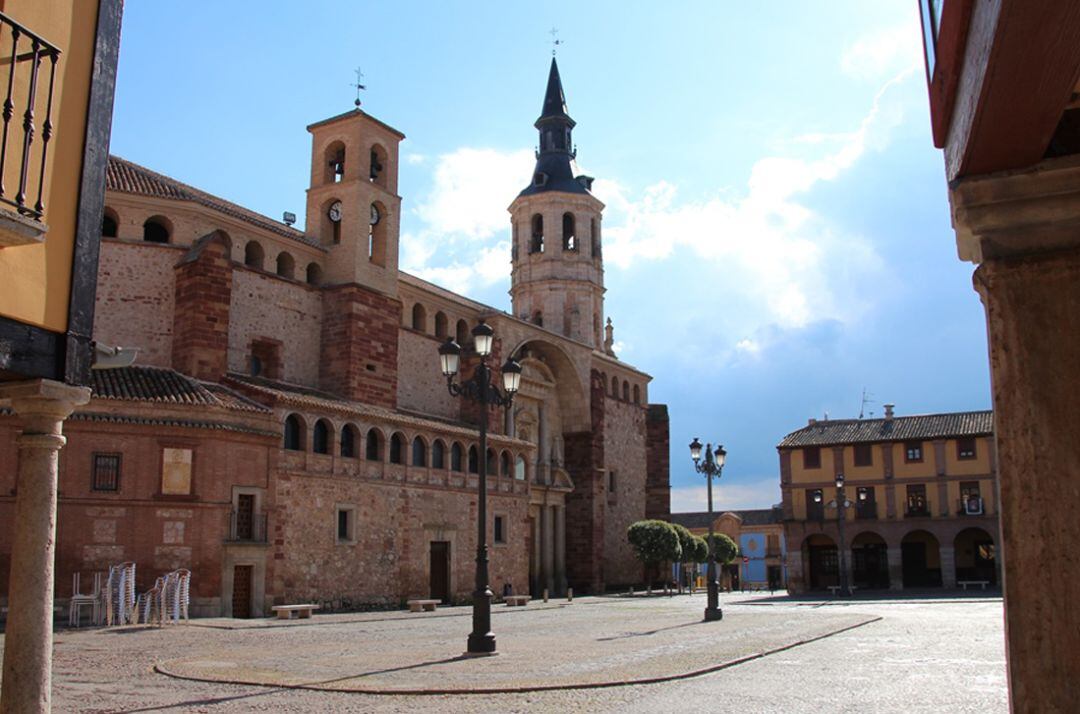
(285, 432)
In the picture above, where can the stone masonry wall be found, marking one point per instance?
(267, 306)
(585, 504)
(359, 345)
(658, 463)
(201, 317)
(135, 295)
(421, 386)
(625, 455)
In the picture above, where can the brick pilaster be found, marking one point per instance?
(359, 345)
(201, 320)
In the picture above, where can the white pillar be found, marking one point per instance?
(41, 406)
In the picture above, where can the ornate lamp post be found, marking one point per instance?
(841, 504)
(712, 466)
(480, 389)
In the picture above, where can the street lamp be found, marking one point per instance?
(480, 389)
(712, 466)
(841, 504)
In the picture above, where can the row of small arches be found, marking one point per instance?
(159, 229)
(417, 319)
(621, 389)
(571, 241)
(351, 443)
(335, 163)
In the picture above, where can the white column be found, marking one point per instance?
(41, 405)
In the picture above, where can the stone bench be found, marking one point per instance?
(518, 600)
(422, 605)
(302, 612)
(981, 583)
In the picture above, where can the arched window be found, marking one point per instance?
(438, 455)
(492, 463)
(377, 166)
(569, 234)
(109, 224)
(637, 394)
(397, 446)
(320, 437)
(314, 274)
(519, 468)
(377, 234)
(536, 242)
(156, 230)
(294, 433)
(456, 457)
(474, 460)
(419, 452)
(505, 463)
(286, 265)
(419, 317)
(595, 234)
(348, 442)
(253, 255)
(335, 163)
(441, 325)
(615, 387)
(373, 445)
(626, 391)
(462, 332)
(538, 318)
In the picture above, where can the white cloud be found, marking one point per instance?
(762, 493)
(415, 159)
(885, 52)
(473, 188)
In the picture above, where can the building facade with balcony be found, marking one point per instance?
(759, 533)
(922, 493)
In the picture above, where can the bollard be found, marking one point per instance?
(569, 594)
(545, 594)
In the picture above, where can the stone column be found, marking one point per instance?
(896, 568)
(947, 553)
(1022, 229)
(41, 406)
(534, 573)
(560, 549)
(548, 529)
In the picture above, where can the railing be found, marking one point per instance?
(25, 76)
(974, 506)
(867, 512)
(921, 512)
(246, 530)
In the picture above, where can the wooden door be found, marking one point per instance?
(440, 570)
(241, 593)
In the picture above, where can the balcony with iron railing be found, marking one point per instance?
(247, 527)
(917, 511)
(971, 506)
(30, 65)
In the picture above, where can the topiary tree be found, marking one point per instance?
(726, 550)
(686, 543)
(654, 542)
(699, 551)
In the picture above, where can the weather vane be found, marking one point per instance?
(358, 85)
(555, 41)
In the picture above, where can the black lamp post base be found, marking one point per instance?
(712, 615)
(481, 645)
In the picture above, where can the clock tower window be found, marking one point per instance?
(377, 168)
(335, 162)
(536, 244)
(569, 235)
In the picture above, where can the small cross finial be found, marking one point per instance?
(358, 85)
(555, 41)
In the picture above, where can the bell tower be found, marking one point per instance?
(558, 273)
(353, 209)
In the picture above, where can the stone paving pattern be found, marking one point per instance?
(914, 656)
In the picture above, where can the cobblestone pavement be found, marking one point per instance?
(889, 655)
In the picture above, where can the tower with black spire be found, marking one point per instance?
(558, 273)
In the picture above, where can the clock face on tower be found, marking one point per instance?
(374, 214)
(335, 211)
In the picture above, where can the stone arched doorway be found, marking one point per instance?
(976, 556)
(920, 557)
(869, 562)
(821, 562)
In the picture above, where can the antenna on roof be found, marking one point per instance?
(866, 399)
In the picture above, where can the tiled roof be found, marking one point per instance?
(302, 397)
(165, 386)
(902, 428)
(124, 176)
(752, 517)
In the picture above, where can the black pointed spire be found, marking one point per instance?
(554, 99)
(554, 159)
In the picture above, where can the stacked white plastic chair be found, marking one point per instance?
(168, 600)
(120, 602)
(79, 600)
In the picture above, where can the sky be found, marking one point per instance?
(777, 235)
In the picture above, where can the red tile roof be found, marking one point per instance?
(922, 427)
(166, 386)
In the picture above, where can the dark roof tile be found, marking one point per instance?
(902, 428)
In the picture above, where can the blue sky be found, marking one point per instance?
(777, 233)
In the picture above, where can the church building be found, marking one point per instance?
(286, 433)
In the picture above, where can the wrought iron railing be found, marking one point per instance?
(247, 529)
(31, 64)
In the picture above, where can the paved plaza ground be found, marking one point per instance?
(768, 654)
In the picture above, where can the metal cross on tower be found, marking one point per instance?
(555, 41)
(358, 85)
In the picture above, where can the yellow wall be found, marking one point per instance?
(35, 280)
(925, 469)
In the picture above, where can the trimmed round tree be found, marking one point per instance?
(686, 543)
(725, 548)
(654, 542)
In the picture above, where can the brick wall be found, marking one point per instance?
(585, 505)
(421, 386)
(658, 458)
(625, 454)
(359, 345)
(201, 319)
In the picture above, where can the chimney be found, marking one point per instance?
(812, 421)
(889, 412)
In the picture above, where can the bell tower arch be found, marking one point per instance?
(558, 274)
